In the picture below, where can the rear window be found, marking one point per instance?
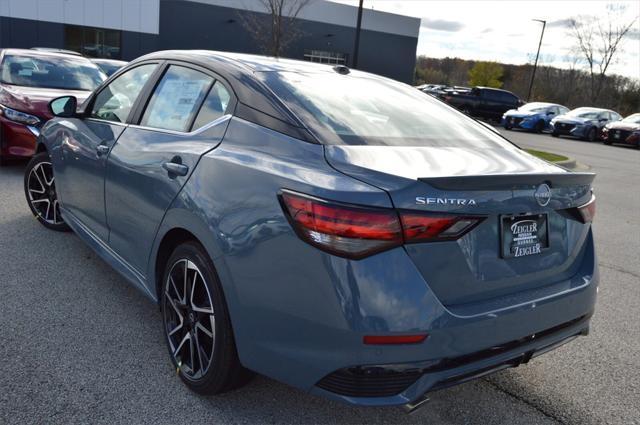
(55, 72)
(360, 110)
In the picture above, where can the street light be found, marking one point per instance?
(535, 65)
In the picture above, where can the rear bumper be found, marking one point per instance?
(386, 294)
(422, 377)
(17, 140)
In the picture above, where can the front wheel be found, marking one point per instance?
(591, 135)
(554, 134)
(40, 191)
(539, 127)
(197, 326)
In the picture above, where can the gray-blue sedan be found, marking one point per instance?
(332, 229)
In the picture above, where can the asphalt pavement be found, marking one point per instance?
(78, 345)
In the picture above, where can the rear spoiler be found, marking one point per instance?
(508, 181)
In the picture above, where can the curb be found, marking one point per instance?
(567, 163)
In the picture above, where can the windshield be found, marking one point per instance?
(533, 107)
(54, 72)
(635, 118)
(360, 110)
(584, 113)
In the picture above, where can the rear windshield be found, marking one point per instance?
(68, 72)
(361, 110)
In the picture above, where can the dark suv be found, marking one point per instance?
(483, 102)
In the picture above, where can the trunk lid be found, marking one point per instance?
(496, 183)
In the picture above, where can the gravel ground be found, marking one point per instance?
(79, 345)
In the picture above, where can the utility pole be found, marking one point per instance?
(356, 48)
(535, 65)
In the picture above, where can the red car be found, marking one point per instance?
(626, 132)
(29, 79)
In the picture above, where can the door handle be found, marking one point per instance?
(175, 167)
(102, 149)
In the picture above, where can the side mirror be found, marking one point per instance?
(550, 113)
(64, 106)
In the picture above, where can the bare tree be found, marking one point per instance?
(276, 31)
(598, 40)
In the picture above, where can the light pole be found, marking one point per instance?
(354, 63)
(535, 65)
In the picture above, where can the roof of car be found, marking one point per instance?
(242, 61)
(38, 52)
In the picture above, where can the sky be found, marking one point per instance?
(504, 31)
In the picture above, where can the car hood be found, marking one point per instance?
(520, 114)
(619, 125)
(35, 100)
(572, 120)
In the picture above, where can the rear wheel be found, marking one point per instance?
(554, 134)
(196, 323)
(40, 191)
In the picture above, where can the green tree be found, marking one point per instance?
(487, 74)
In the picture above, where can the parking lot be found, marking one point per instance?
(80, 345)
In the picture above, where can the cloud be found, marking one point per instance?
(441, 25)
(486, 30)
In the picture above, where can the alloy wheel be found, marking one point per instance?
(41, 190)
(189, 319)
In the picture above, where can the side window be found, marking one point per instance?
(115, 101)
(176, 99)
(214, 106)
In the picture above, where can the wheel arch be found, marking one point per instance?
(178, 226)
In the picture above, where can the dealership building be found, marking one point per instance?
(126, 29)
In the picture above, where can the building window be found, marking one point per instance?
(323, 56)
(93, 42)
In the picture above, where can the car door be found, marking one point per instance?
(185, 117)
(84, 151)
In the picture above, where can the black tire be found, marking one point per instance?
(40, 192)
(185, 315)
(539, 127)
(591, 135)
(607, 142)
(554, 134)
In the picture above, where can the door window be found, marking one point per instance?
(115, 101)
(214, 106)
(177, 99)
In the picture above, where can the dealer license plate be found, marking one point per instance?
(524, 235)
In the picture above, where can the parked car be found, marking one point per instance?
(534, 116)
(625, 132)
(335, 230)
(109, 66)
(483, 102)
(29, 79)
(583, 123)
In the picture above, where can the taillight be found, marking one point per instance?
(355, 231)
(426, 227)
(588, 210)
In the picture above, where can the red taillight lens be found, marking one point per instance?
(345, 230)
(355, 232)
(422, 228)
(588, 210)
